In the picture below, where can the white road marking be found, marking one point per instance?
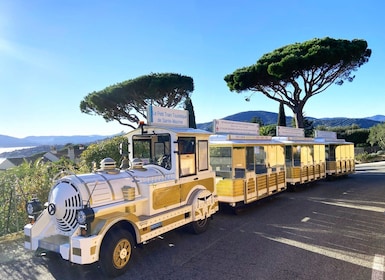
(360, 207)
(304, 220)
(343, 255)
(378, 267)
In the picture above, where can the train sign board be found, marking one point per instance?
(326, 134)
(161, 116)
(233, 127)
(284, 131)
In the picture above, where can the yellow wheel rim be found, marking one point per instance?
(122, 253)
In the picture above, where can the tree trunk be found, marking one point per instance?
(299, 119)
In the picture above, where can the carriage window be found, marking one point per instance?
(203, 159)
(220, 161)
(331, 153)
(297, 155)
(289, 156)
(260, 160)
(250, 158)
(186, 148)
(293, 155)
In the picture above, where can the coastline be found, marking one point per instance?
(11, 149)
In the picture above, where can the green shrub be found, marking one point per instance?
(19, 184)
(366, 157)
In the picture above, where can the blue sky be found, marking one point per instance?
(53, 53)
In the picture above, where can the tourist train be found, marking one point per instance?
(176, 176)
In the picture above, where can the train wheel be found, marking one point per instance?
(200, 226)
(202, 201)
(115, 252)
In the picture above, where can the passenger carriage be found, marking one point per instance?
(339, 154)
(247, 166)
(304, 157)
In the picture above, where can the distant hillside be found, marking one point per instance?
(8, 141)
(271, 118)
(363, 123)
(266, 117)
(378, 118)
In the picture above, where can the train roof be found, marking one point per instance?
(241, 139)
(333, 141)
(294, 140)
(176, 130)
(307, 140)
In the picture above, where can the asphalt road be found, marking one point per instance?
(328, 230)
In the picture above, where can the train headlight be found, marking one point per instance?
(81, 217)
(85, 216)
(34, 206)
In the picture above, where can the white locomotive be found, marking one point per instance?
(101, 216)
